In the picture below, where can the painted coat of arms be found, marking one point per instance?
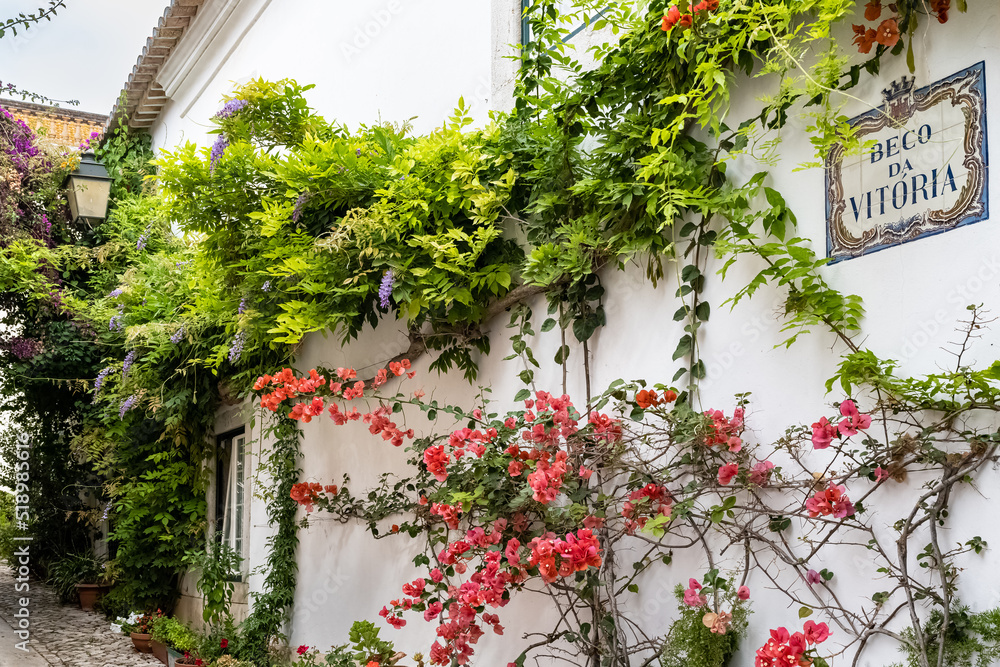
(925, 174)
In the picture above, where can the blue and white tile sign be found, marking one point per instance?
(927, 171)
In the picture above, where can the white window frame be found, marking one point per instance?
(233, 495)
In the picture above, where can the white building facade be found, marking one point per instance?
(400, 59)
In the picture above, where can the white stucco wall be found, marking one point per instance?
(417, 64)
(391, 59)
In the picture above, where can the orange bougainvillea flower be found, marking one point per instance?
(941, 7)
(864, 38)
(647, 399)
(873, 10)
(887, 33)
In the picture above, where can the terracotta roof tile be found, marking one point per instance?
(143, 97)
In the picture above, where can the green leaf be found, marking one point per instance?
(548, 325)
(804, 612)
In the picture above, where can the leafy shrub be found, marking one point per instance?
(690, 642)
(971, 640)
(80, 568)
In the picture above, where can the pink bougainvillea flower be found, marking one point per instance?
(593, 522)
(692, 598)
(854, 420)
(814, 577)
(831, 501)
(743, 593)
(881, 474)
(302, 650)
(815, 633)
(823, 433)
(585, 473)
(761, 473)
(727, 473)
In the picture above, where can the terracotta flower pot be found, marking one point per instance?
(159, 650)
(141, 642)
(90, 594)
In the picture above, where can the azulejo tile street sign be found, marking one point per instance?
(925, 174)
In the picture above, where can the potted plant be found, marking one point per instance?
(169, 634)
(158, 637)
(81, 575)
(182, 645)
(139, 630)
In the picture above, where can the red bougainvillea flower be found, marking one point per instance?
(823, 433)
(727, 473)
(686, 21)
(873, 10)
(881, 474)
(784, 650)
(743, 593)
(651, 500)
(887, 33)
(830, 502)
(864, 38)
(224, 643)
(372, 663)
(671, 18)
(605, 427)
(814, 577)
(302, 650)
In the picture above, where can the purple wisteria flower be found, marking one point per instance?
(218, 150)
(127, 405)
(127, 364)
(99, 382)
(236, 347)
(230, 108)
(177, 336)
(115, 293)
(116, 323)
(141, 243)
(385, 289)
(243, 306)
(299, 205)
(266, 287)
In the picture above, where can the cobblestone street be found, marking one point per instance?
(62, 635)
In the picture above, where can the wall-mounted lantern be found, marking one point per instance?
(89, 190)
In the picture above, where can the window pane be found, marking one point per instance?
(237, 542)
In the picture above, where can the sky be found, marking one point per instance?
(86, 52)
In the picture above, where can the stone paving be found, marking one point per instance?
(63, 635)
